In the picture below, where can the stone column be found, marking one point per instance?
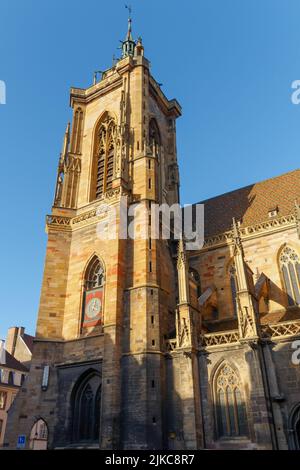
(185, 360)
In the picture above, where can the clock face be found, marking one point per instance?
(93, 308)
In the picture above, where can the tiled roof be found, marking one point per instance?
(251, 205)
(13, 363)
(28, 340)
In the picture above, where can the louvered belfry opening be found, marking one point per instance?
(154, 138)
(105, 152)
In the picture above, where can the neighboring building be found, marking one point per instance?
(13, 370)
(19, 344)
(140, 343)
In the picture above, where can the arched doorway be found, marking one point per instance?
(294, 427)
(39, 436)
(86, 409)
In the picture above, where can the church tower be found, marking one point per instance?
(108, 299)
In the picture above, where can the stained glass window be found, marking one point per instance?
(230, 408)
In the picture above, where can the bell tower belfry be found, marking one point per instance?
(124, 116)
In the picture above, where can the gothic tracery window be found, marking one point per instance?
(39, 435)
(294, 425)
(94, 274)
(154, 138)
(290, 268)
(230, 406)
(104, 156)
(77, 131)
(86, 409)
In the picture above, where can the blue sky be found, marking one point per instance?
(230, 63)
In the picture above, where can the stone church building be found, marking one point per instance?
(141, 343)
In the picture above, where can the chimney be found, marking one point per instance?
(11, 338)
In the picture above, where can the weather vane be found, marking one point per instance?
(129, 8)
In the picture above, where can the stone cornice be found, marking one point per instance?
(65, 365)
(85, 96)
(169, 107)
(219, 240)
(111, 79)
(252, 231)
(84, 218)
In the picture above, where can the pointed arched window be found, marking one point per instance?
(93, 294)
(105, 146)
(77, 131)
(39, 435)
(154, 138)
(94, 276)
(290, 268)
(294, 426)
(86, 408)
(229, 403)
